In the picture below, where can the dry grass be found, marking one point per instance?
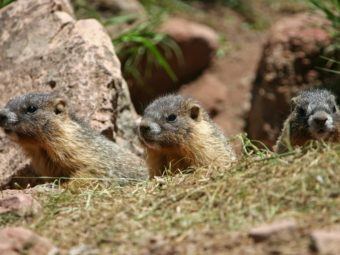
(208, 212)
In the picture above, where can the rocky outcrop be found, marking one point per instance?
(291, 61)
(44, 48)
(197, 45)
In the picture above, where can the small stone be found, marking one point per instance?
(17, 240)
(326, 242)
(83, 249)
(19, 203)
(264, 232)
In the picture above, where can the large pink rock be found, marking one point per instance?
(19, 203)
(44, 48)
(326, 241)
(290, 62)
(17, 241)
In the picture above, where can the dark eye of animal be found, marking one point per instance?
(301, 111)
(171, 118)
(334, 109)
(31, 109)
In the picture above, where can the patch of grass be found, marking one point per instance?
(209, 204)
(166, 6)
(288, 6)
(3, 3)
(8, 218)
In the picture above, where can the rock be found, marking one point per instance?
(83, 249)
(198, 44)
(326, 242)
(19, 203)
(290, 62)
(266, 231)
(44, 48)
(17, 240)
(208, 90)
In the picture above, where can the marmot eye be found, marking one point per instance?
(301, 111)
(31, 109)
(171, 118)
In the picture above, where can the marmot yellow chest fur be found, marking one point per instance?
(314, 116)
(60, 145)
(178, 134)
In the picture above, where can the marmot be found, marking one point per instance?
(178, 134)
(314, 116)
(61, 145)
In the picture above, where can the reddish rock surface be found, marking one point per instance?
(198, 44)
(17, 241)
(289, 63)
(19, 203)
(44, 49)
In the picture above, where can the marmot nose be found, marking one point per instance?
(144, 128)
(149, 128)
(320, 121)
(3, 118)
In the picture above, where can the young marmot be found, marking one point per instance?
(177, 134)
(314, 116)
(60, 145)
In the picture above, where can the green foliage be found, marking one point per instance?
(8, 218)
(164, 6)
(331, 8)
(139, 42)
(3, 3)
(83, 9)
(143, 44)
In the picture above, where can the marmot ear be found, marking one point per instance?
(293, 102)
(195, 112)
(60, 106)
(333, 98)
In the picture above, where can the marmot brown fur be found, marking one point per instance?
(60, 145)
(178, 134)
(314, 116)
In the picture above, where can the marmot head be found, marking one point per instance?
(314, 110)
(29, 118)
(168, 121)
